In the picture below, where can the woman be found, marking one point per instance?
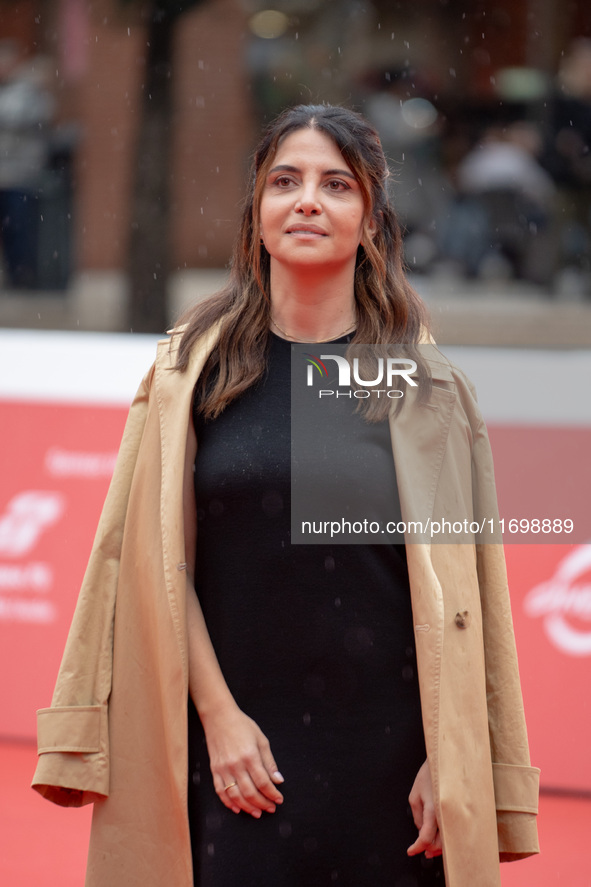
(298, 659)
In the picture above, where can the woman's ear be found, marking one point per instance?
(370, 228)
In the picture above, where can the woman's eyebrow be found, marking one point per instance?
(285, 167)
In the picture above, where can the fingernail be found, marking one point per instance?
(235, 809)
(257, 814)
(278, 777)
(271, 809)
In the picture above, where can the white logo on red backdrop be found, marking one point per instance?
(26, 517)
(27, 579)
(564, 603)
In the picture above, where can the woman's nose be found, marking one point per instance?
(308, 202)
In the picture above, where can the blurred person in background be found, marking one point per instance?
(500, 221)
(26, 111)
(245, 712)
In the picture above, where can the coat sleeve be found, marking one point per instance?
(73, 734)
(516, 782)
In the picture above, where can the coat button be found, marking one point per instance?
(462, 619)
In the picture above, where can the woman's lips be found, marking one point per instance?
(306, 231)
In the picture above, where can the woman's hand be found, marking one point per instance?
(243, 768)
(423, 813)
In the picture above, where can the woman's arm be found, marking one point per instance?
(239, 752)
(74, 751)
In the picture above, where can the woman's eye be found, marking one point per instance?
(283, 181)
(337, 185)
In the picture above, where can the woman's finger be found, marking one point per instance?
(427, 833)
(262, 780)
(269, 762)
(224, 792)
(239, 799)
(232, 797)
(434, 848)
(424, 816)
(238, 792)
(256, 799)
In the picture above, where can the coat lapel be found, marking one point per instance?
(419, 435)
(174, 393)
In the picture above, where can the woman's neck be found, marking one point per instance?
(311, 307)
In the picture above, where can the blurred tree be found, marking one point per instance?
(149, 247)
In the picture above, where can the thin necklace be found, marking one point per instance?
(314, 341)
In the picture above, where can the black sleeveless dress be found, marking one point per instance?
(316, 644)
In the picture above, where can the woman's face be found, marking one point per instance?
(312, 208)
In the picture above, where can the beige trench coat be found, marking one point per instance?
(116, 732)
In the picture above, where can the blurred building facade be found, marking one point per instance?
(238, 62)
(97, 51)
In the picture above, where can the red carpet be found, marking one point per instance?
(45, 846)
(42, 845)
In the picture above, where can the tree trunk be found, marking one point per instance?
(149, 249)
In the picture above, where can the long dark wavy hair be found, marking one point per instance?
(388, 309)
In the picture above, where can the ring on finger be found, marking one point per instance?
(230, 785)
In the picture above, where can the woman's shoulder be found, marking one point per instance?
(168, 348)
(443, 369)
